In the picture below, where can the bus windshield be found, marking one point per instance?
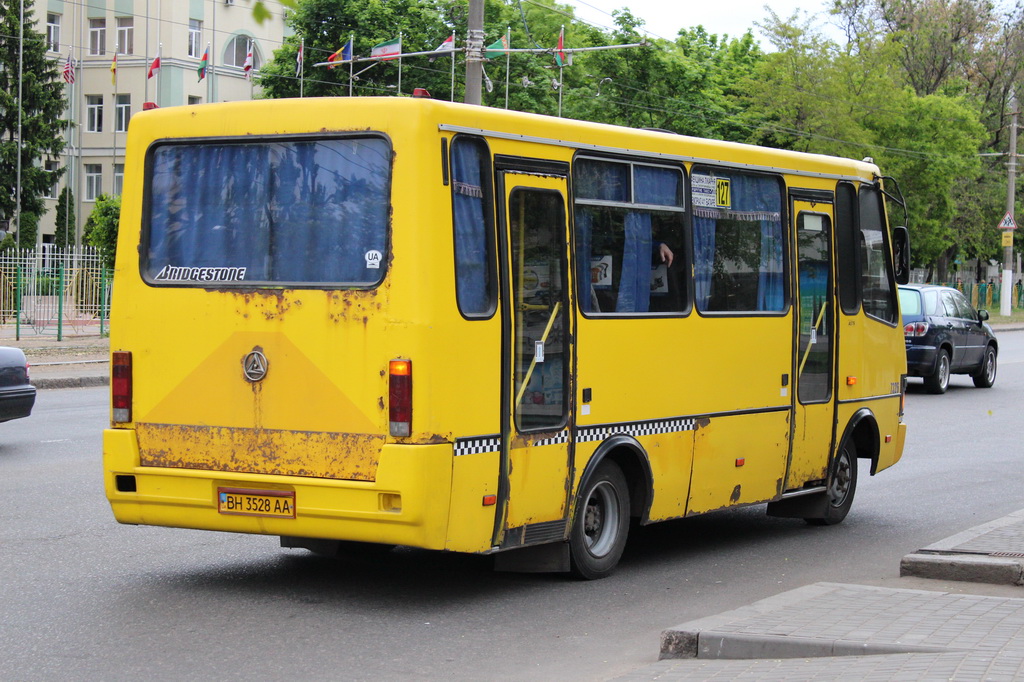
(287, 212)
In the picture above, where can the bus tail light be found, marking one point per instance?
(919, 328)
(400, 397)
(121, 385)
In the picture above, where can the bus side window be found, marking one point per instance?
(629, 221)
(472, 215)
(876, 265)
(738, 242)
(847, 244)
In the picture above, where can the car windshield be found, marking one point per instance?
(910, 301)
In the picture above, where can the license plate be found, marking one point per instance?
(276, 503)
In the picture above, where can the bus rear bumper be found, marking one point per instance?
(405, 505)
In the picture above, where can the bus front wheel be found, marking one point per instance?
(842, 485)
(600, 523)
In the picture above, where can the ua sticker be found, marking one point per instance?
(373, 258)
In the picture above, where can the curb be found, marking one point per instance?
(990, 553)
(964, 568)
(70, 382)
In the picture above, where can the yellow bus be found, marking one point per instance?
(409, 322)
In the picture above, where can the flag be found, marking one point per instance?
(113, 70)
(247, 66)
(154, 66)
(69, 69)
(298, 59)
(389, 49)
(342, 55)
(203, 63)
(559, 51)
(447, 46)
(497, 48)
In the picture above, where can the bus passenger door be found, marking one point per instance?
(537, 354)
(815, 344)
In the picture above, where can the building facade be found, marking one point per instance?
(108, 52)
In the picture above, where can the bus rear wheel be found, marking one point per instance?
(600, 523)
(841, 488)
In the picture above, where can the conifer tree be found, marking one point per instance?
(42, 123)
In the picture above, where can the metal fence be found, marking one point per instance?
(49, 291)
(988, 295)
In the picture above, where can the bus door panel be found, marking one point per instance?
(814, 345)
(537, 354)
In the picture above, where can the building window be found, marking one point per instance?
(195, 38)
(122, 112)
(94, 113)
(93, 181)
(53, 32)
(118, 179)
(126, 35)
(238, 47)
(192, 99)
(97, 36)
(52, 190)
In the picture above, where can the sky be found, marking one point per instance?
(664, 18)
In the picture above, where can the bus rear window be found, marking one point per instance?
(285, 212)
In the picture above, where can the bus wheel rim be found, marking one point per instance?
(601, 519)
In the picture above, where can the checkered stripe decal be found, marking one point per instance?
(587, 434)
(477, 445)
(562, 437)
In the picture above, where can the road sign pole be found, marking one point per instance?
(1006, 292)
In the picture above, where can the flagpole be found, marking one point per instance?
(561, 68)
(113, 148)
(159, 49)
(399, 63)
(302, 58)
(351, 62)
(453, 67)
(20, 147)
(508, 61)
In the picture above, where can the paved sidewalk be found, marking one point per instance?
(850, 632)
(856, 632)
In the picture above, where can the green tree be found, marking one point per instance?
(42, 125)
(64, 234)
(101, 227)
(326, 25)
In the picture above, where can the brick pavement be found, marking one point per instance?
(849, 632)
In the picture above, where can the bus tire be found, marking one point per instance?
(600, 523)
(841, 487)
(938, 381)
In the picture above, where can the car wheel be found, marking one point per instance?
(841, 487)
(600, 523)
(986, 374)
(938, 381)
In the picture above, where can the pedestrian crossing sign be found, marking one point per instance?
(1007, 222)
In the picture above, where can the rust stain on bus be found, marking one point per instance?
(344, 456)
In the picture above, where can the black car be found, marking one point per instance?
(946, 335)
(17, 395)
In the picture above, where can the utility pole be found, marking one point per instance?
(475, 52)
(1006, 291)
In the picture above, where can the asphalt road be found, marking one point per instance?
(85, 598)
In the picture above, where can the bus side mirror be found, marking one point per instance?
(901, 254)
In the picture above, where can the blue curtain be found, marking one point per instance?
(653, 185)
(635, 281)
(287, 212)
(703, 259)
(584, 226)
(471, 254)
